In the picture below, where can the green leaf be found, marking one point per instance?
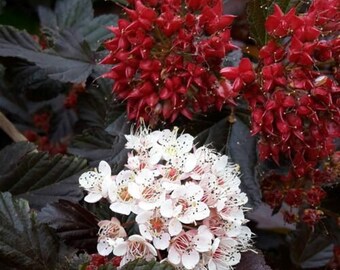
(71, 60)
(242, 149)
(257, 12)
(307, 242)
(38, 177)
(32, 80)
(98, 144)
(24, 243)
(73, 13)
(140, 264)
(97, 107)
(95, 31)
(77, 17)
(253, 261)
(73, 224)
(286, 5)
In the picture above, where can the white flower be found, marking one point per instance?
(244, 238)
(144, 143)
(224, 254)
(110, 234)
(186, 247)
(157, 229)
(96, 183)
(171, 146)
(135, 247)
(225, 228)
(148, 192)
(121, 200)
(185, 204)
(205, 158)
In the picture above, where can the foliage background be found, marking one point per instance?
(51, 91)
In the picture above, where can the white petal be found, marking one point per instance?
(155, 155)
(88, 179)
(211, 265)
(185, 143)
(190, 163)
(167, 209)
(235, 258)
(148, 206)
(166, 137)
(190, 259)
(175, 227)
(151, 249)
(137, 238)
(125, 176)
(203, 242)
(162, 242)
(220, 164)
(121, 208)
(106, 185)
(93, 197)
(194, 190)
(145, 177)
(120, 249)
(104, 168)
(173, 256)
(144, 217)
(134, 190)
(104, 248)
(144, 231)
(201, 211)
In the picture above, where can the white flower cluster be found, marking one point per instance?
(187, 202)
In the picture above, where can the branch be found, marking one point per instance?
(10, 129)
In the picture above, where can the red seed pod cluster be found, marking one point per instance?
(305, 193)
(295, 102)
(166, 58)
(97, 261)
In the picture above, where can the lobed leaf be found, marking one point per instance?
(70, 61)
(73, 224)
(36, 176)
(24, 242)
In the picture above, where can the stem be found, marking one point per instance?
(127, 224)
(159, 255)
(10, 129)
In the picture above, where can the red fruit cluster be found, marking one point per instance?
(304, 192)
(71, 100)
(98, 260)
(44, 143)
(295, 103)
(167, 56)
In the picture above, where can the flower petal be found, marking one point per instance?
(190, 259)
(120, 249)
(173, 255)
(162, 242)
(167, 209)
(104, 248)
(175, 227)
(104, 168)
(88, 179)
(121, 208)
(144, 231)
(185, 143)
(134, 190)
(93, 197)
